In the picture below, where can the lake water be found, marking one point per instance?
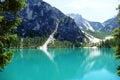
(62, 64)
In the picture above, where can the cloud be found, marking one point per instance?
(83, 4)
(95, 10)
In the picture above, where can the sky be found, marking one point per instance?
(92, 10)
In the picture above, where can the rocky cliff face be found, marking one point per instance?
(39, 19)
(107, 26)
(111, 24)
(85, 24)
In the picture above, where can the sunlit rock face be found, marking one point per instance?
(39, 19)
(106, 26)
(111, 24)
(86, 24)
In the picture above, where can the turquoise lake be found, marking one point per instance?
(62, 64)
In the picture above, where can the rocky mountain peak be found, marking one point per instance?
(39, 19)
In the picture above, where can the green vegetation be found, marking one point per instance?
(34, 42)
(63, 18)
(64, 44)
(89, 44)
(117, 47)
(28, 42)
(100, 35)
(117, 39)
(6, 26)
(107, 43)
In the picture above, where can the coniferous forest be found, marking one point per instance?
(40, 39)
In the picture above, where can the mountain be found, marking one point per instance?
(39, 19)
(81, 22)
(97, 26)
(96, 29)
(111, 24)
(85, 24)
(91, 28)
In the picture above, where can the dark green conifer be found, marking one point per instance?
(6, 27)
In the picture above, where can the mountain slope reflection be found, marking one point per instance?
(84, 61)
(67, 64)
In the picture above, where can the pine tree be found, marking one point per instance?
(6, 27)
(117, 38)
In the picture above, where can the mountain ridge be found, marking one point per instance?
(98, 29)
(39, 19)
(112, 22)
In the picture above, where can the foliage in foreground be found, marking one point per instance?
(117, 38)
(6, 26)
(110, 43)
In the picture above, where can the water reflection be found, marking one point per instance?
(21, 53)
(69, 64)
(94, 53)
(49, 55)
(84, 61)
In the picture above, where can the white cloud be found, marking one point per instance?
(94, 10)
(83, 4)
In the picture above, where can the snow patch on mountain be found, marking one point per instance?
(91, 38)
(81, 22)
(88, 26)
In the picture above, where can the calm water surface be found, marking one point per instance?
(62, 64)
